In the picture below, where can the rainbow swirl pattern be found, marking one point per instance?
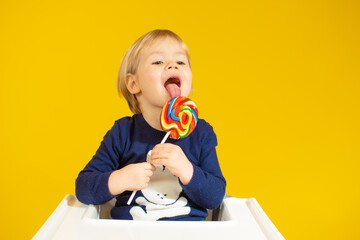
(179, 116)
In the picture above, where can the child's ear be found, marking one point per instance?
(132, 84)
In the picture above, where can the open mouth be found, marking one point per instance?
(173, 80)
(173, 85)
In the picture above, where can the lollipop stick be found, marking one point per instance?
(131, 198)
(165, 137)
(134, 192)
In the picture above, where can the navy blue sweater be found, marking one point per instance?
(166, 198)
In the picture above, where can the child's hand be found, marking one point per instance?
(174, 159)
(130, 178)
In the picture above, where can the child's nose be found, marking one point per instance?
(172, 65)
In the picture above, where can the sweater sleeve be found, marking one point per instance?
(91, 185)
(207, 186)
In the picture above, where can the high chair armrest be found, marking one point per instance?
(237, 219)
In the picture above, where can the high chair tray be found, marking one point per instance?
(237, 218)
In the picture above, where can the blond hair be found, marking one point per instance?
(130, 62)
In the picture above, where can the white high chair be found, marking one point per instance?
(236, 218)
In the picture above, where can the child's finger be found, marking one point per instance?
(149, 173)
(165, 147)
(148, 166)
(160, 158)
(162, 147)
(159, 161)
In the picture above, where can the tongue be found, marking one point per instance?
(173, 90)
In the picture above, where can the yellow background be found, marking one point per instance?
(278, 80)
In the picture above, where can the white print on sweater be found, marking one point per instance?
(161, 198)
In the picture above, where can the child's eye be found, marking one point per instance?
(157, 62)
(180, 62)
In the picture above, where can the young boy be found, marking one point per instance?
(181, 178)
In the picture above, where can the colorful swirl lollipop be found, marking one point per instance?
(179, 116)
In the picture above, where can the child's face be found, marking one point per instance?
(163, 73)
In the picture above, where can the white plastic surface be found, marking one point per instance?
(238, 219)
